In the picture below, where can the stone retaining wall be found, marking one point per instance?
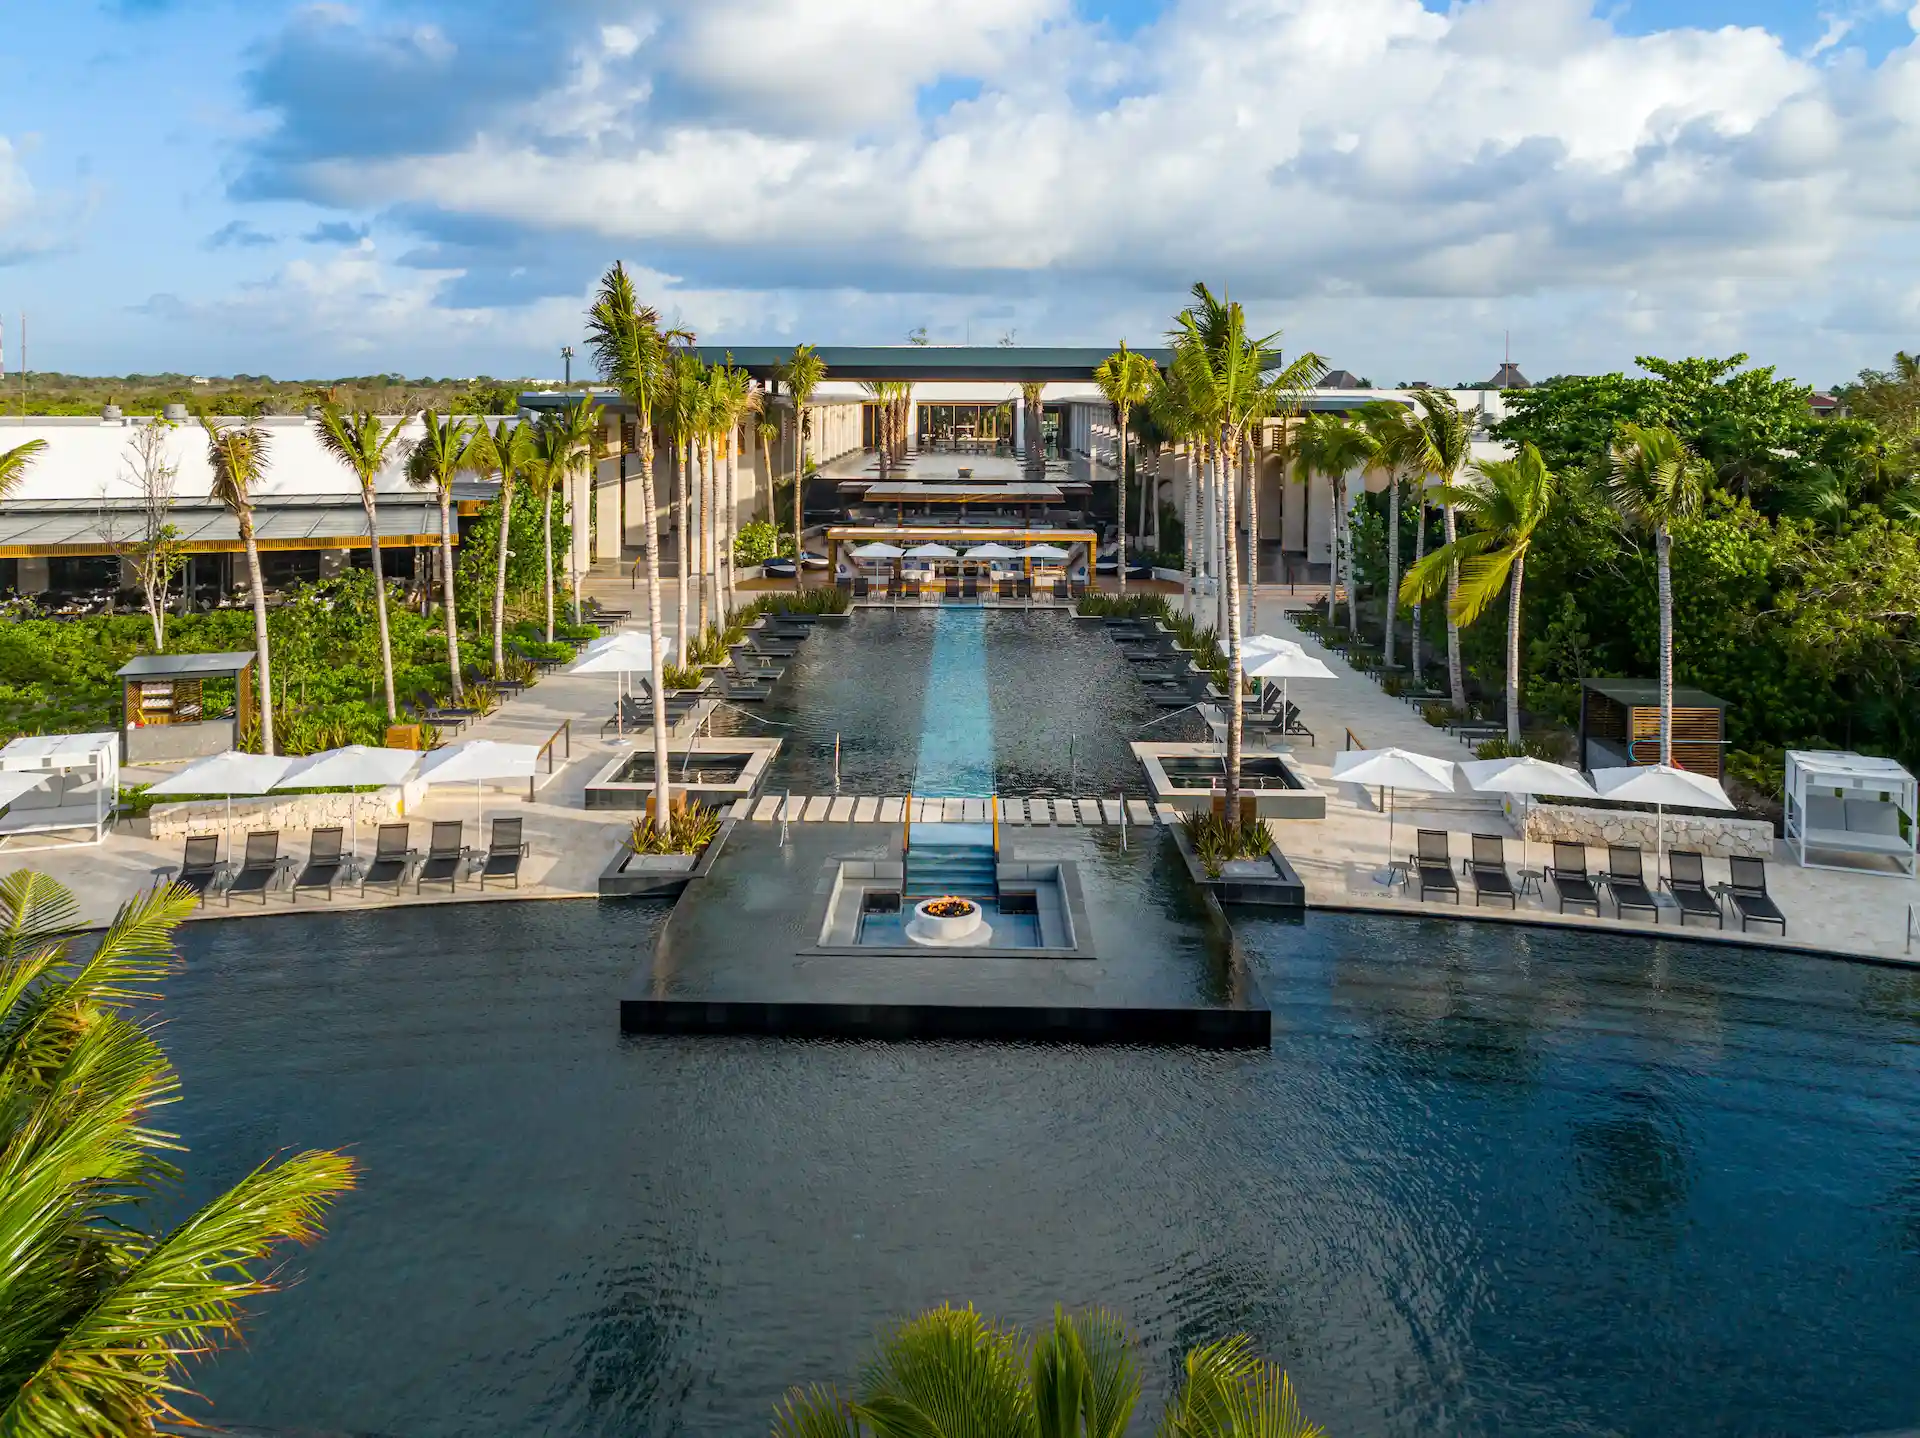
(1721, 838)
(291, 810)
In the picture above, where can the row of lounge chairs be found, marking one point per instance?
(328, 866)
(1430, 871)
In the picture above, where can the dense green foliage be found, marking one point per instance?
(70, 394)
(759, 541)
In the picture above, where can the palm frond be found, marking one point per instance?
(1482, 577)
(815, 1412)
(15, 462)
(949, 1372)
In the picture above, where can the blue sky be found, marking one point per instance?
(432, 185)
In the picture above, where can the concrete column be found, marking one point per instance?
(606, 521)
(579, 510)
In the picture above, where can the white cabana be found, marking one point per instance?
(1529, 776)
(357, 766)
(1393, 770)
(1664, 787)
(224, 775)
(60, 783)
(1846, 803)
(479, 762)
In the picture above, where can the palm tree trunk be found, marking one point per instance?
(1393, 565)
(380, 601)
(446, 594)
(259, 586)
(656, 678)
(546, 553)
(1513, 651)
(1456, 679)
(1188, 533)
(1663, 554)
(727, 517)
(1419, 553)
(1346, 550)
(1123, 503)
(500, 583)
(799, 477)
(1251, 461)
(1235, 719)
(1224, 542)
(682, 468)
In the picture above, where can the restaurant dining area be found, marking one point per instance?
(948, 563)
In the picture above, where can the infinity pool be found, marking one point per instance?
(1487, 1180)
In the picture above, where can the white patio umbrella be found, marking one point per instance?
(625, 651)
(357, 766)
(990, 550)
(227, 774)
(1393, 770)
(930, 550)
(1283, 663)
(878, 549)
(1048, 551)
(1529, 776)
(477, 762)
(1660, 785)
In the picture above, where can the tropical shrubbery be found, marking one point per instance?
(1217, 841)
(688, 830)
(758, 542)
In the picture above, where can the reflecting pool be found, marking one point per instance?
(1487, 1180)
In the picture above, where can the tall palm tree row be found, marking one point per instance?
(100, 1309)
(678, 415)
(954, 1373)
(1655, 479)
(1445, 446)
(437, 458)
(632, 352)
(1503, 503)
(1126, 379)
(1336, 447)
(237, 455)
(506, 452)
(366, 445)
(562, 441)
(741, 400)
(1396, 448)
(802, 374)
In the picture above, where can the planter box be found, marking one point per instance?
(630, 876)
(1270, 882)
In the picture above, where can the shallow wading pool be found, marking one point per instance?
(1487, 1180)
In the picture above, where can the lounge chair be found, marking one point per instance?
(1747, 892)
(200, 866)
(1488, 870)
(259, 868)
(596, 612)
(1627, 882)
(446, 852)
(1687, 882)
(1571, 882)
(1431, 865)
(505, 850)
(326, 862)
(393, 855)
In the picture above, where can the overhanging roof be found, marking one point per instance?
(185, 666)
(1645, 693)
(1006, 363)
(317, 521)
(1028, 493)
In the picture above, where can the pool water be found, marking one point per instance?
(1487, 1180)
(958, 700)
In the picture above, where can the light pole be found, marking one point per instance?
(566, 358)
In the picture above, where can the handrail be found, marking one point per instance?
(563, 734)
(1354, 741)
(994, 800)
(1910, 927)
(906, 839)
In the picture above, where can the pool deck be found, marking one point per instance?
(1832, 912)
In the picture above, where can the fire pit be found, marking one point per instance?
(948, 922)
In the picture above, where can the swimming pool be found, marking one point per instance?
(1487, 1179)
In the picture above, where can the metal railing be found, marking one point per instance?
(994, 800)
(1353, 741)
(906, 839)
(564, 736)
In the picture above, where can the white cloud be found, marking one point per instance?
(32, 223)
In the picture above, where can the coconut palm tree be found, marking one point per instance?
(561, 438)
(767, 430)
(1445, 446)
(100, 1310)
(1125, 378)
(881, 393)
(952, 1372)
(237, 455)
(740, 400)
(632, 350)
(1032, 405)
(678, 415)
(15, 462)
(802, 374)
(1654, 480)
(366, 445)
(582, 419)
(1503, 504)
(506, 452)
(1174, 416)
(1335, 447)
(438, 456)
(1396, 447)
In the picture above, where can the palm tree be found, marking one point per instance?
(741, 401)
(767, 429)
(1396, 447)
(802, 374)
(365, 444)
(1503, 507)
(1445, 446)
(1174, 416)
(632, 352)
(679, 414)
(1126, 379)
(581, 418)
(1654, 480)
(951, 1372)
(100, 1312)
(881, 393)
(561, 440)
(15, 462)
(1032, 394)
(1335, 447)
(438, 456)
(237, 455)
(506, 451)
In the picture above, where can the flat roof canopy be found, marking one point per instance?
(185, 666)
(1010, 363)
(1645, 694)
(1024, 533)
(906, 493)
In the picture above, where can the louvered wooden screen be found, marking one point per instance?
(1696, 738)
